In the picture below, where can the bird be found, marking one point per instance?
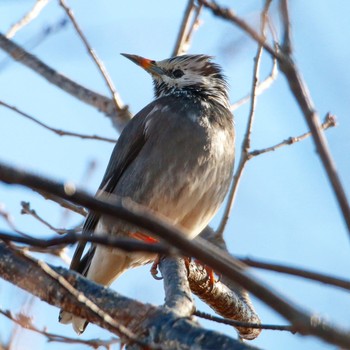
(175, 157)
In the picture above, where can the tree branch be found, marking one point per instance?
(102, 103)
(178, 296)
(243, 324)
(58, 132)
(27, 18)
(187, 29)
(329, 122)
(223, 300)
(26, 323)
(294, 271)
(119, 105)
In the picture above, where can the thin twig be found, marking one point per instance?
(187, 29)
(27, 18)
(26, 209)
(329, 122)
(243, 324)
(7, 217)
(246, 141)
(26, 323)
(64, 203)
(102, 103)
(230, 16)
(311, 275)
(54, 130)
(261, 87)
(119, 105)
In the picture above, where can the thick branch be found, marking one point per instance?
(102, 103)
(221, 262)
(145, 320)
(223, 300)
(178, 296)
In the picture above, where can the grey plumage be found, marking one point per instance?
(175, 157)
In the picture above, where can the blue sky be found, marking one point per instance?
(285, 210)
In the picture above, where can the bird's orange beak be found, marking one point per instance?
(149, 65)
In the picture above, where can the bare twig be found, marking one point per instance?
(7, 217)
(102, 103)
(26, 322)
(243, 324)
(63, 203)
(314, 276)
(187, 28)
(329, 122)
(221, 262)
(54, 130)
(26, 209)
(119, 105)
(230, 16)
(261, 87)
(27, 18)
(246, 141)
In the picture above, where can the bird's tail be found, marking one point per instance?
(79, 324)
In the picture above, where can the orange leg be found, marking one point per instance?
(210, 273)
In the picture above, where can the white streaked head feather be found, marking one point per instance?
(196, 74)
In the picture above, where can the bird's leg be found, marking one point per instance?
(208, 269)
(148, 239)
(154, 268)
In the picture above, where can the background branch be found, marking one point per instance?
(58, 132)
(27, 18)
(122, 110)
(102, 103)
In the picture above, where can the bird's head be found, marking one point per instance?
(191, 75)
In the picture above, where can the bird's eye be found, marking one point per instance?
(178, 73)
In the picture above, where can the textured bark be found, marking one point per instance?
(226, 298)
(232, 303)
(151, 324)
(178, 296)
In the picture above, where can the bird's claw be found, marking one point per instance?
(155, 271)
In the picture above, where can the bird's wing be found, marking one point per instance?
(129, 144)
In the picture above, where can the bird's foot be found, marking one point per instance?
(154, 269)
(208, 269)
